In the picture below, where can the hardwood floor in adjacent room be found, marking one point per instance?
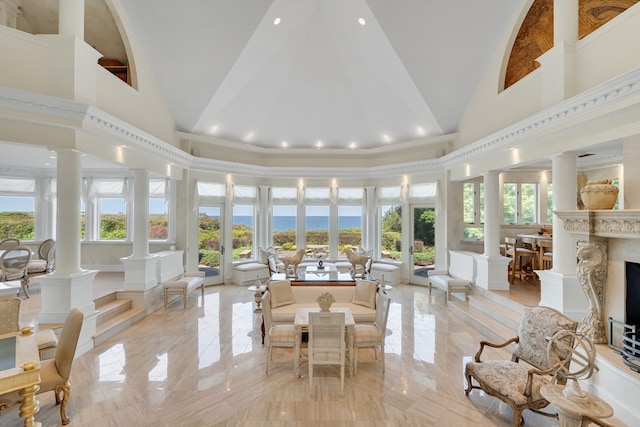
(204, 366)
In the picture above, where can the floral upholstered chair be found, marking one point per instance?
(517, 384)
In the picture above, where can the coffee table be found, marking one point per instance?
(321, 278)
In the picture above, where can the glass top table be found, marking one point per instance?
(321, 278)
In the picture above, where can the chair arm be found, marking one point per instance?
(494, 345)
(536, 371)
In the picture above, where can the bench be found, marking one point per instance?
(390, 271)
(248, 272)
(459, 277)
(189, 281)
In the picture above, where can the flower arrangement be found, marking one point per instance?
(325, 300)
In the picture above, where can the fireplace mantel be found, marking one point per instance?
(617, 224)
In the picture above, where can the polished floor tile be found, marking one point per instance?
(204, 366)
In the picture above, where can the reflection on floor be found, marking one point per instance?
(205, 366)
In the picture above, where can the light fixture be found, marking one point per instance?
(213, 129)
(123, 146)
(352, 145)
(362, 21)
(276, 21)
(284, 144)
(386, 138)
(319, 144)
(420, 131)
(249, 136)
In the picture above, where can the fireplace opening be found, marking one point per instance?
(623, 337)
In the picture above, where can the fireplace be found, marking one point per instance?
(623, 337)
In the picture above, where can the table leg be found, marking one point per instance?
(29, 406)
(296, 350)
(350, 351)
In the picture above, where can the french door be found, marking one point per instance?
(211, 246)
(423, 246)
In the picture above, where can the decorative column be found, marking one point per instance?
(140, 268)
(71, 18)
(592, 274)
(559, 287)
(492, 268)
(68, 286)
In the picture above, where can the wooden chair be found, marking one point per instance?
(518, 266)
(516, 384)
(276, 335)
(545, 254)
(365, 335)
(326, 343)
(13, 266)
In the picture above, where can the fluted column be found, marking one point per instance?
(140, 213)
(71, 18)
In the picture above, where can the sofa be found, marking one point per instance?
(286, 299)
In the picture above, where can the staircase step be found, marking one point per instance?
(496, 310)
(486, 325)
(111, 309)
(116, 324)
(98, 302)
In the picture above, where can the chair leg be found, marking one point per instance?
(469, 384)
(310, 379)
(267, 359)
(517, 418)
(25, 287)
(65, 390)
(355, 360)
(382, 357)
(166, 299)
(184, 298)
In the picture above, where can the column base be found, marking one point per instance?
(492, 272)
(59, 294)
(140, 274)
(564, 293)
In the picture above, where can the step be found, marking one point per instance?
(504, 300)
(98, 302)
(118, 323)
(494, 331)
(111, 309)
(496, 310)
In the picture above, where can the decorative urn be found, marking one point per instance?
(599, 194)
(325, 300)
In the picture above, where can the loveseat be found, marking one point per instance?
(286, 299)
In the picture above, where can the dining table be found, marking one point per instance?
(20, 371)
(533, 239)
(301, 324)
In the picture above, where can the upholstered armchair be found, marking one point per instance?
(13, 266)
(516, 384)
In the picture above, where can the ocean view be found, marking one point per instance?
(281, 223)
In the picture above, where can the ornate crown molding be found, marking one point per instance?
(619, 224)
(614, 90)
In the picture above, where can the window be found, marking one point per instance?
(244, 199)
(284, 217)
(17, 208)
(316, 223)
(159, 209)
(520, 202)
(111, 207)
(473, 210)
(549, 202)
(349, 217)
(390, 219)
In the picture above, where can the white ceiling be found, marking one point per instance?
(319, 75)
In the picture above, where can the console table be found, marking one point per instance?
(321, 278)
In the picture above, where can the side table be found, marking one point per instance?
(569, 411)
(257, 294)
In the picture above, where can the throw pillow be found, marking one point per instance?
(273, 268)
(274, 253)
(365, 293)
(280, 293)
(263, 255)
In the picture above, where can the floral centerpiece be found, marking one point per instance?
(325, 300)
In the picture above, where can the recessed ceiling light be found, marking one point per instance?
(386, 138)
(123, 146)
(249, 136)
(362, 21)
(213, 129)
(319, 144)
(420, 130)
(284, 144)
(276, 21)
(47, 164)
(52, 157)
(353, 145)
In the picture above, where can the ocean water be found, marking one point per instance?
(281, 223)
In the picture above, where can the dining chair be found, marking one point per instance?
(9, 315)
(13, 266)
(518, 254)
(545, 254)
(365, 335)
(326, 343)
(9, 243)
(45, 263)
(55, 373)
(278, 335)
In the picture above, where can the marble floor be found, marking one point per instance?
(204, 366)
